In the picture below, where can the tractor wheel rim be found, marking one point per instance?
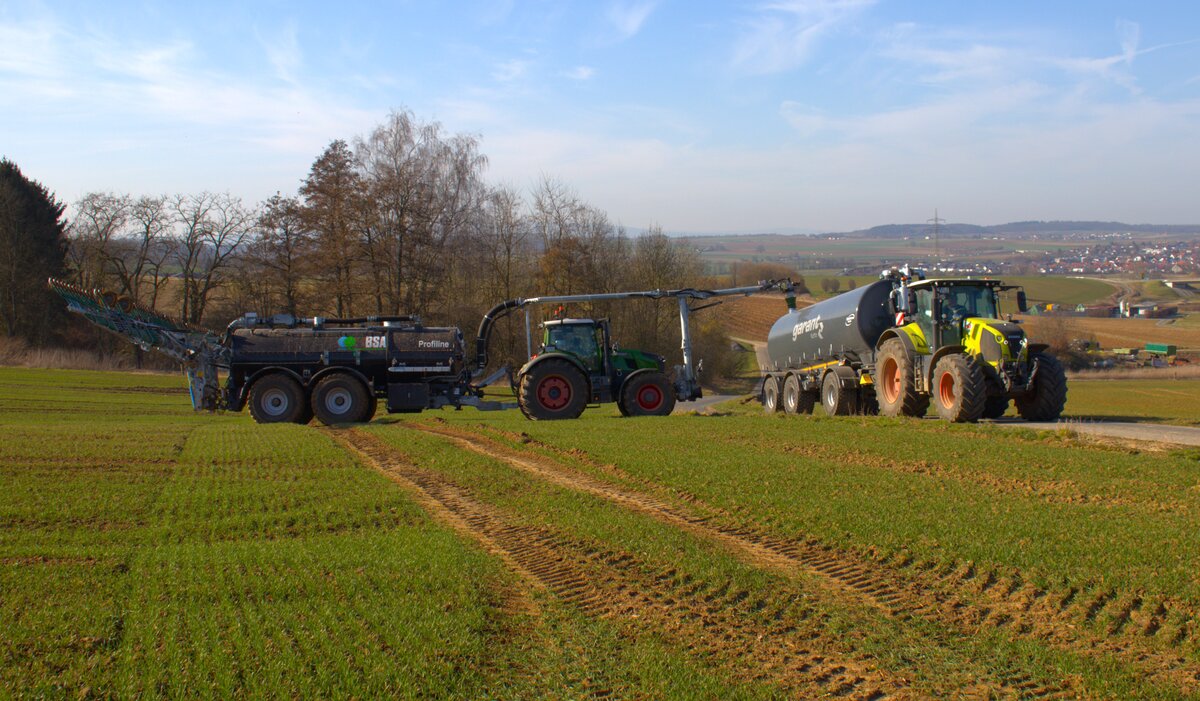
(338, 400)
(554, 392)
(891, 380)
(275, 402)
(946, 389)
(649, 398)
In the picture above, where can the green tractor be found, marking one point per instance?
(577, 364)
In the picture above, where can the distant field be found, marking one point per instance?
(1117, 333)
(149, 551)
(1161, 401)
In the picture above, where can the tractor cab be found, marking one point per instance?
(946, 309)
(584, 339)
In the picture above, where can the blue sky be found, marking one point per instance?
(786, 115)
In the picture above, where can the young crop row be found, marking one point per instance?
(149, 550)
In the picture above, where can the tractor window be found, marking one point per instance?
(972, 300)
(577, 339)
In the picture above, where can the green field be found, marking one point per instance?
(149, 551)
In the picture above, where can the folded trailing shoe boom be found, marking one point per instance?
(200, 352)
(288, 369)
(903, 342)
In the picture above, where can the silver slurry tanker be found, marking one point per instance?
(904, 342)
(826, 351)
(843, 326)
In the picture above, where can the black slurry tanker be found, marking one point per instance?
(895, 345)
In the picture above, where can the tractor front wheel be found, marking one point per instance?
(277, 398)
(648, 394)
(552, 389)
(1048, 398)
(959, 389)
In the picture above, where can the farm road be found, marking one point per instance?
(1159, 433)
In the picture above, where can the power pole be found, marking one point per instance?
(937, 222)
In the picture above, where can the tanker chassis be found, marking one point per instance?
(895, 345)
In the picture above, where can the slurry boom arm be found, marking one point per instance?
(200, 352)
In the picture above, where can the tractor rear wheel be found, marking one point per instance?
(1048, 398)
(959, 389)
(770, 394)
(895, 382)
(277, 398)
(648, 394)
(552, 389)
(341, 398)
(837, 400)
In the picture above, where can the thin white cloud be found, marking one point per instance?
(580, 73)
(628, 17)
(783, 35)
(283, 52)
(508, 71)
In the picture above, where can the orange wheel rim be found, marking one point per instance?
(946, 389)
(891, 380)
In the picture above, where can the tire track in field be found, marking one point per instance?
(1133, 628)
(866, 581)
(708, 620)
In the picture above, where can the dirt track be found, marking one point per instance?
(1156, 433)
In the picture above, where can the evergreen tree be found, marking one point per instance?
(33, 247)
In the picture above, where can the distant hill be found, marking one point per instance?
(888, 231)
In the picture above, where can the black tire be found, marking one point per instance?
(621, 406)
(868, 403)
(341, 398)
(277, 398)
(995, 406)
(837, 400)
(1049, 395)
(959, 389)
(896, 388)
(648, 394)
(552, 389)
(770, 394)
(808, 401)
(791, 395)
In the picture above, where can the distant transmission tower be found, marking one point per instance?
(937, 222)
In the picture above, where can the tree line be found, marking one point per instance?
(398, 221)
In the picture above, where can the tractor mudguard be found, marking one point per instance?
(1035, 348)
(910, 335)
(569, 357)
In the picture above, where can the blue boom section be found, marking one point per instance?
(200, 352)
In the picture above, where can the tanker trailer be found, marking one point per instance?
(900, 343)
(826, 352)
